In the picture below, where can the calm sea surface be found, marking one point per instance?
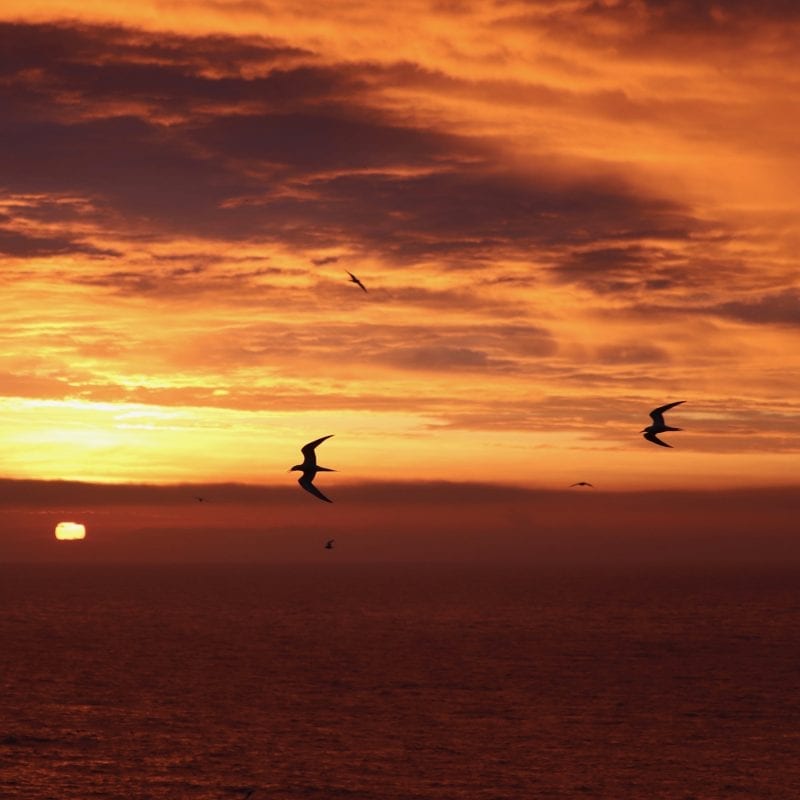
(388, 682)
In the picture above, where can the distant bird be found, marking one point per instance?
(200, 499)
(355, 280)
(659, 426)
(329, 544)
(582, 483)
(310, 469)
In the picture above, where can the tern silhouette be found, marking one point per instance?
(310, 468)
(355, 280)
(329, 544)
(659, 426)
(582, 483)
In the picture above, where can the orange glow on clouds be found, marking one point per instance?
(565, 214)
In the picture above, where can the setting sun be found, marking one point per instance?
(70, 531)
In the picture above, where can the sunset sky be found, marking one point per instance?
(566, 213)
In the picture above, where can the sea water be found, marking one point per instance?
(406, 682)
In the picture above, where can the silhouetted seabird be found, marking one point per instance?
(581, 483)
(659, 426)
(200, 499)
(310, 469)
(355, 280)
(329, 544)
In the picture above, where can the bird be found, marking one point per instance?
(355, 280)
(329, 544)
(659, 426)
(200, 499)
(582, 483)
(309, 468)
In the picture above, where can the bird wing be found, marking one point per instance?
(651, 437)
(308, 449)
(306, 483)
(657, 414)
(355, 280)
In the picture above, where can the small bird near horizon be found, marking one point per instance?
(310, 468)
(355, 280)
(329, 544)
(582, 483)
(659, 426)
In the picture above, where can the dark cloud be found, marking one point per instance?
(680, 15)
(683, 15)
(468, 215)
(442, 358)
(775, 308)
(124, 281)
(201, 275)
(614, 269)
(55, 47)
(304, 144)
(126, 165)
(20, 245)
(781, 308)
(693, 267)
(468, 298)
(317, 166)
(691, 29)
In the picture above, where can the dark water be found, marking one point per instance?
(387, 682)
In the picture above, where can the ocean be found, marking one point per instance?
(399, 682)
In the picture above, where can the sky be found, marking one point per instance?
(566, 213)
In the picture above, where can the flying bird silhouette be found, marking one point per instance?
(355, 280)
(309, 468)
(659, 426)
(582, 483)
(329, 544)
